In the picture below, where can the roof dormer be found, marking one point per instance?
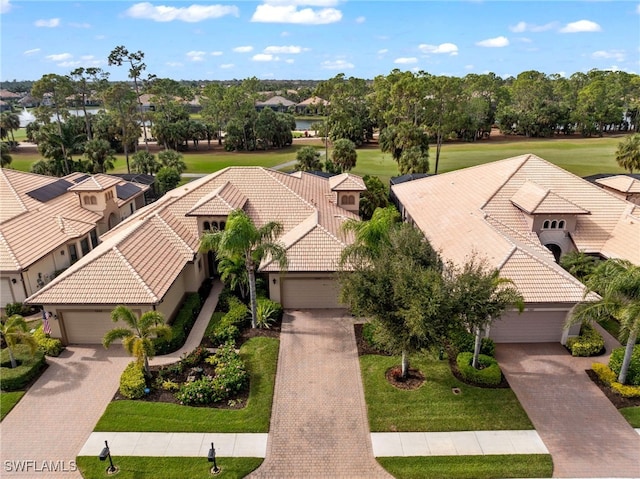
(213, 209)
(347, 188)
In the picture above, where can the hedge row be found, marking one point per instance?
(463, 341)
(489, 373)
(181, 326)
(610, 378)
(13, 379)
(589, 343)
(229, 326)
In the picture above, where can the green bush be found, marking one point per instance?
(463, 341)
(195, 357)
(13, 379)
(230, 374)
(14, 308)
(589, 343)
(181, 326)
(228, 328)
(369, 336)
(49, 346)
(132, 382)
(489, 373)
(608, 377)
(197, 393)
(268, 312)
(615, 363)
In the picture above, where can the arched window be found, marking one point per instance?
(214, 225)
(561, 224)
(207, 226)
(545, 225)
(348, 200)
(222, 225)
(93, 200)
(554, 224)
(87, 200)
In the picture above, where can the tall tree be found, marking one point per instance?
(628, 153)
(172, 159)
(308, 159)
(122, 101)
(9, 122)
(5, 159)
(242, 238)
(60, 144)
(618, 284)
(100, 154)
(145, 163)
(85, 81)
(344, 154)
(137, 336)
(14, 331)
(370, 237)
(408, 145)
(375, 196)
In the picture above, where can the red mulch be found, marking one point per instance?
(414, 378)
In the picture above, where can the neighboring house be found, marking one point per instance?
(312, 105)
(625, 186)
(49, 223)
(276, 103)
(151, 260)
(521, 214)
(4, 106)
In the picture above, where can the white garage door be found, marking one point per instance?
(529, 327)
(5, 292)
(310, 293)
(87, 327)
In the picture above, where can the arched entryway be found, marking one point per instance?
(555, 249)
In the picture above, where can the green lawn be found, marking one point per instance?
(8, 400)
(632, 414)
(260, 356)
(469, 467)
(167, 467)
(433, 407)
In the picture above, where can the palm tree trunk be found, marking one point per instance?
(476, 348)
(252, 294)
(147, 371)
(12, 358)
(628, 351)
(405, 364)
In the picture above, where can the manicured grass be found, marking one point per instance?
(469, 467)
(260, 356)
(433, 407)
(632, 415)
(611, 326)
(167, 467)
(8, 400)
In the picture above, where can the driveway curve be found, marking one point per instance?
(583, 431)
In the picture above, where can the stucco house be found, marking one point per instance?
(522, 214)
(49, 223)
(151, 261)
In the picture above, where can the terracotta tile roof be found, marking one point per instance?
(149, 249)
(97, 182)
(472, 210)
(346, 182)
(622, 183)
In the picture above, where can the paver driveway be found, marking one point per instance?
(319, 424)
(583, 431)
(54, 419)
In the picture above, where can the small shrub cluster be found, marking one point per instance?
(132, 382)
(228, 329)
(195, 357)
(15, 308)
(49, 346)
(369, 335)
(589, 343)
(615, 363)
(29, 366)
(609, 377)
(268, 312)
(489, 373)
(464, 342)
(181, 326)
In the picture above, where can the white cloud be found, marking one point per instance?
(289, 60)
(521, 27)
(617, 55)
(264, 57)
(361, 19)
(524, 39)
(244, 49)
(216, 54)
(196, 56)
(496, 42)
(283, 49)
(31, 52)
(267, 13)
(5, 6)
(449, 48)
(226, 66)
(60, 57)
(468, 67)
(307, 3)
(69, 64)
(405, 60)
(336, 65)
(191, 14)
(581, 26)
(383, 51)
(51, 23)
(100, 37)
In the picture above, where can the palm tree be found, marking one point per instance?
(14, 331)
(617, 282)
(137, 338)
(628, 153)
(10, 121)
(234, 273)
(242, 238)
(6, 158)
(172, 159)
(370, 236)
(100, 154)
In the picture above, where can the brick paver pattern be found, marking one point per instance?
(319, 424)
(585, 434)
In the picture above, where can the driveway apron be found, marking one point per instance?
(319, 424)
(43, 433)
(583, 431)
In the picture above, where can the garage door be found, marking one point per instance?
(310, 293)
(5, 292)
(87, 327)
(529, 327)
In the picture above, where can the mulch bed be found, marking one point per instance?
(414, 378)
(617, 400)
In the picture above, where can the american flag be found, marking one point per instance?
(46, 327)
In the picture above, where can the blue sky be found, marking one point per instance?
(317, 39)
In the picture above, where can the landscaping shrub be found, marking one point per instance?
(132, 382)
(13, 379)
(368, 334)
(195, 357)
(181, 326)
(197, 393)
(205, 289)
(608, 377)
(223, 299)
(489, 373)
(589, 343)
(49, 346)
(463, 341)
(228, 329)
(15, 308)
(615, 363)
(230, 374)
(268, 312)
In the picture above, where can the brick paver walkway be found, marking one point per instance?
(319, 424)
(583, 431)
